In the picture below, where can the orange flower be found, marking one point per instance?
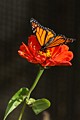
(54, 56)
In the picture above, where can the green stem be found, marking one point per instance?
(30, 91)
(41, 70)
(22, 111)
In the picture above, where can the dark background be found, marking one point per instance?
(61, 85)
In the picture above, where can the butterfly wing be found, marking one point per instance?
(47, 37)
(43, 34)
(58, 40)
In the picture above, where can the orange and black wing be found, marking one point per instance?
(43, 34)
(58, 40)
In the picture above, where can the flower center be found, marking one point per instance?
(47, 53)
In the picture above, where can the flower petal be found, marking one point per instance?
(24, 48)
(59, 49)
(33, 43)
(64, 56)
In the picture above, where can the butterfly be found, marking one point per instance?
(46, 37)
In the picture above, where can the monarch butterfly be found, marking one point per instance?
(46, 37)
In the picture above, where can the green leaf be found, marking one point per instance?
(16, 100)
(40, 105)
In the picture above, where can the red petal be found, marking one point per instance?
(59, 49)
(63, 63)
(40, 58)
(33, 43)
(25, 53)
(64, 56)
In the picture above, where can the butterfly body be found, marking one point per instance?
(46, 37)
